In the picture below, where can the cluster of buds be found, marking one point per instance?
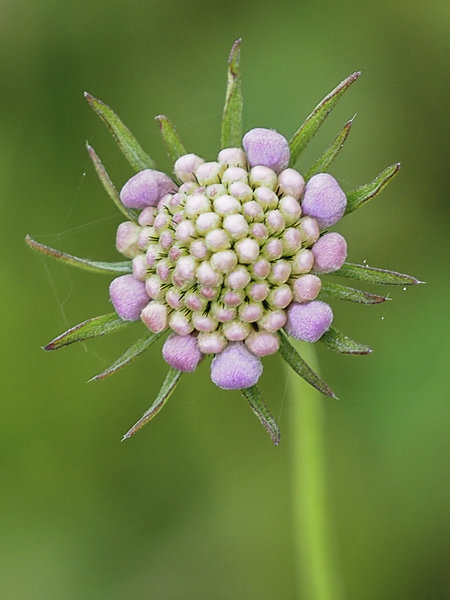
(230, 257)
(227, 256)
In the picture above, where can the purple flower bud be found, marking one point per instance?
(146, 188)
(235, 368)
(127, 238)
(308, 322)
(266, 147)
(182, 352)
(330, 252)
(324, 200)
(128, 296)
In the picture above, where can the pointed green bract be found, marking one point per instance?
(126, 141)
(171, 138)
(296, 362)
(133, 352)
(374, 275)
(94, 266)
(232, 112)
(342, 292)
(91, 328)
(363, 194)
(336, 340)
(256, 402)
(303, 135)
(109, 185)
(169, 385)
(324, 161)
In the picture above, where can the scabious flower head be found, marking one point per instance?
(226, 256)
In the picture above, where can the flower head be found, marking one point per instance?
(227, 256)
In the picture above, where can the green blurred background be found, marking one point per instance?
(198, 505)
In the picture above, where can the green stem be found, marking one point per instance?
(318, 573)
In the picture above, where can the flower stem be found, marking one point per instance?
(318, 573)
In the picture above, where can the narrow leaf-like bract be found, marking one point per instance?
(126, 141)
(94, 266)
(336, 340)
(256, 402)
(324, 161)
(171, 138)
(109, 185)
(88, 329)
(232, 112)
(170, 383)
(303, 135)
(363, 194)
(342, 292)
(374, 275)
(296, 362)
(133, 352)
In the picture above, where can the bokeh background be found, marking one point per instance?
(198, 505)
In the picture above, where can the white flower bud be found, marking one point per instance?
(236, 331)
(275, 221)
(214, 190)
(196, 204)
(147, 216)
(241, 191)
(203, 322)
(206, 275)
(280, 271)
(198, 249)
(290, 182)
(266, 198)
(185, 166)
(247, 250)
(209, 173)
(226, 205)
(253, 211)
(280, 297)
(250, 312)
(154, 315)
(207, 222)
(224, 261)
(236, 226)
(238, 279)
(211, 343)
(263, 176)
(217, 240)
(290, 209)
(233, 174)
(232, 157)
(302, 262)
(180, 323)
(258, 291)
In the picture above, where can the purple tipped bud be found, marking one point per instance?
(250, 313)
(266, 147)
(180, 324)
(253, 211)
(309, 229)
(273, 249)
(273, 321)
(147, 216)
(128, 296)
(308, 322)
(235, 368)
(146, 188)
(258, 291)
(330, 252)
(324, 200)
(306, 288)
(185, 166)
(154, 315)
(182, 352)
(203, 322)
(214, 190)
(261, 268)
(302, 262)
(236, 331)
(290, 182)
(233, 157)
(127, 238)
(262, 344)
(211, 343)
(280, 296)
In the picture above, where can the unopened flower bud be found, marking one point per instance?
(211, 343)
(280, 271)
(144, 238)
(324, 200)
(291, 183)
(207, 221)
(238, 278)
(146, 188)
(185, 166)
(253, 211)
(198, 249)
(140, 267)
(147, 216)
(265, 176)
(196, 204)
(233, 174)
(235, 368)
(209, 173)
(127, 238)
(273, 321)
(153, 287)
(214, 190)
(179, 323)
(182, 352)
(302, 262)
(266, 198)
(206, 275)
(217, 240)
(309, 321)
(330, 252)
(222, 313)
(203, 322)
(236, 226)
(241, 191)
(290, 209)
(232, 157)
(154, 315)
(226, 205)
(128, 296)
(262, 343)
(247, 250)
(185, 231)
(309, 229)
(280, 297)
(232, 299)
(173, 298)
(306, 287)
(266, 147)
(275, 221)
(273, 249)
(291, 240)
(194, 302)
(236, 331)
(251, 312)
(260, 269)
(258, 291)
(224, 261)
